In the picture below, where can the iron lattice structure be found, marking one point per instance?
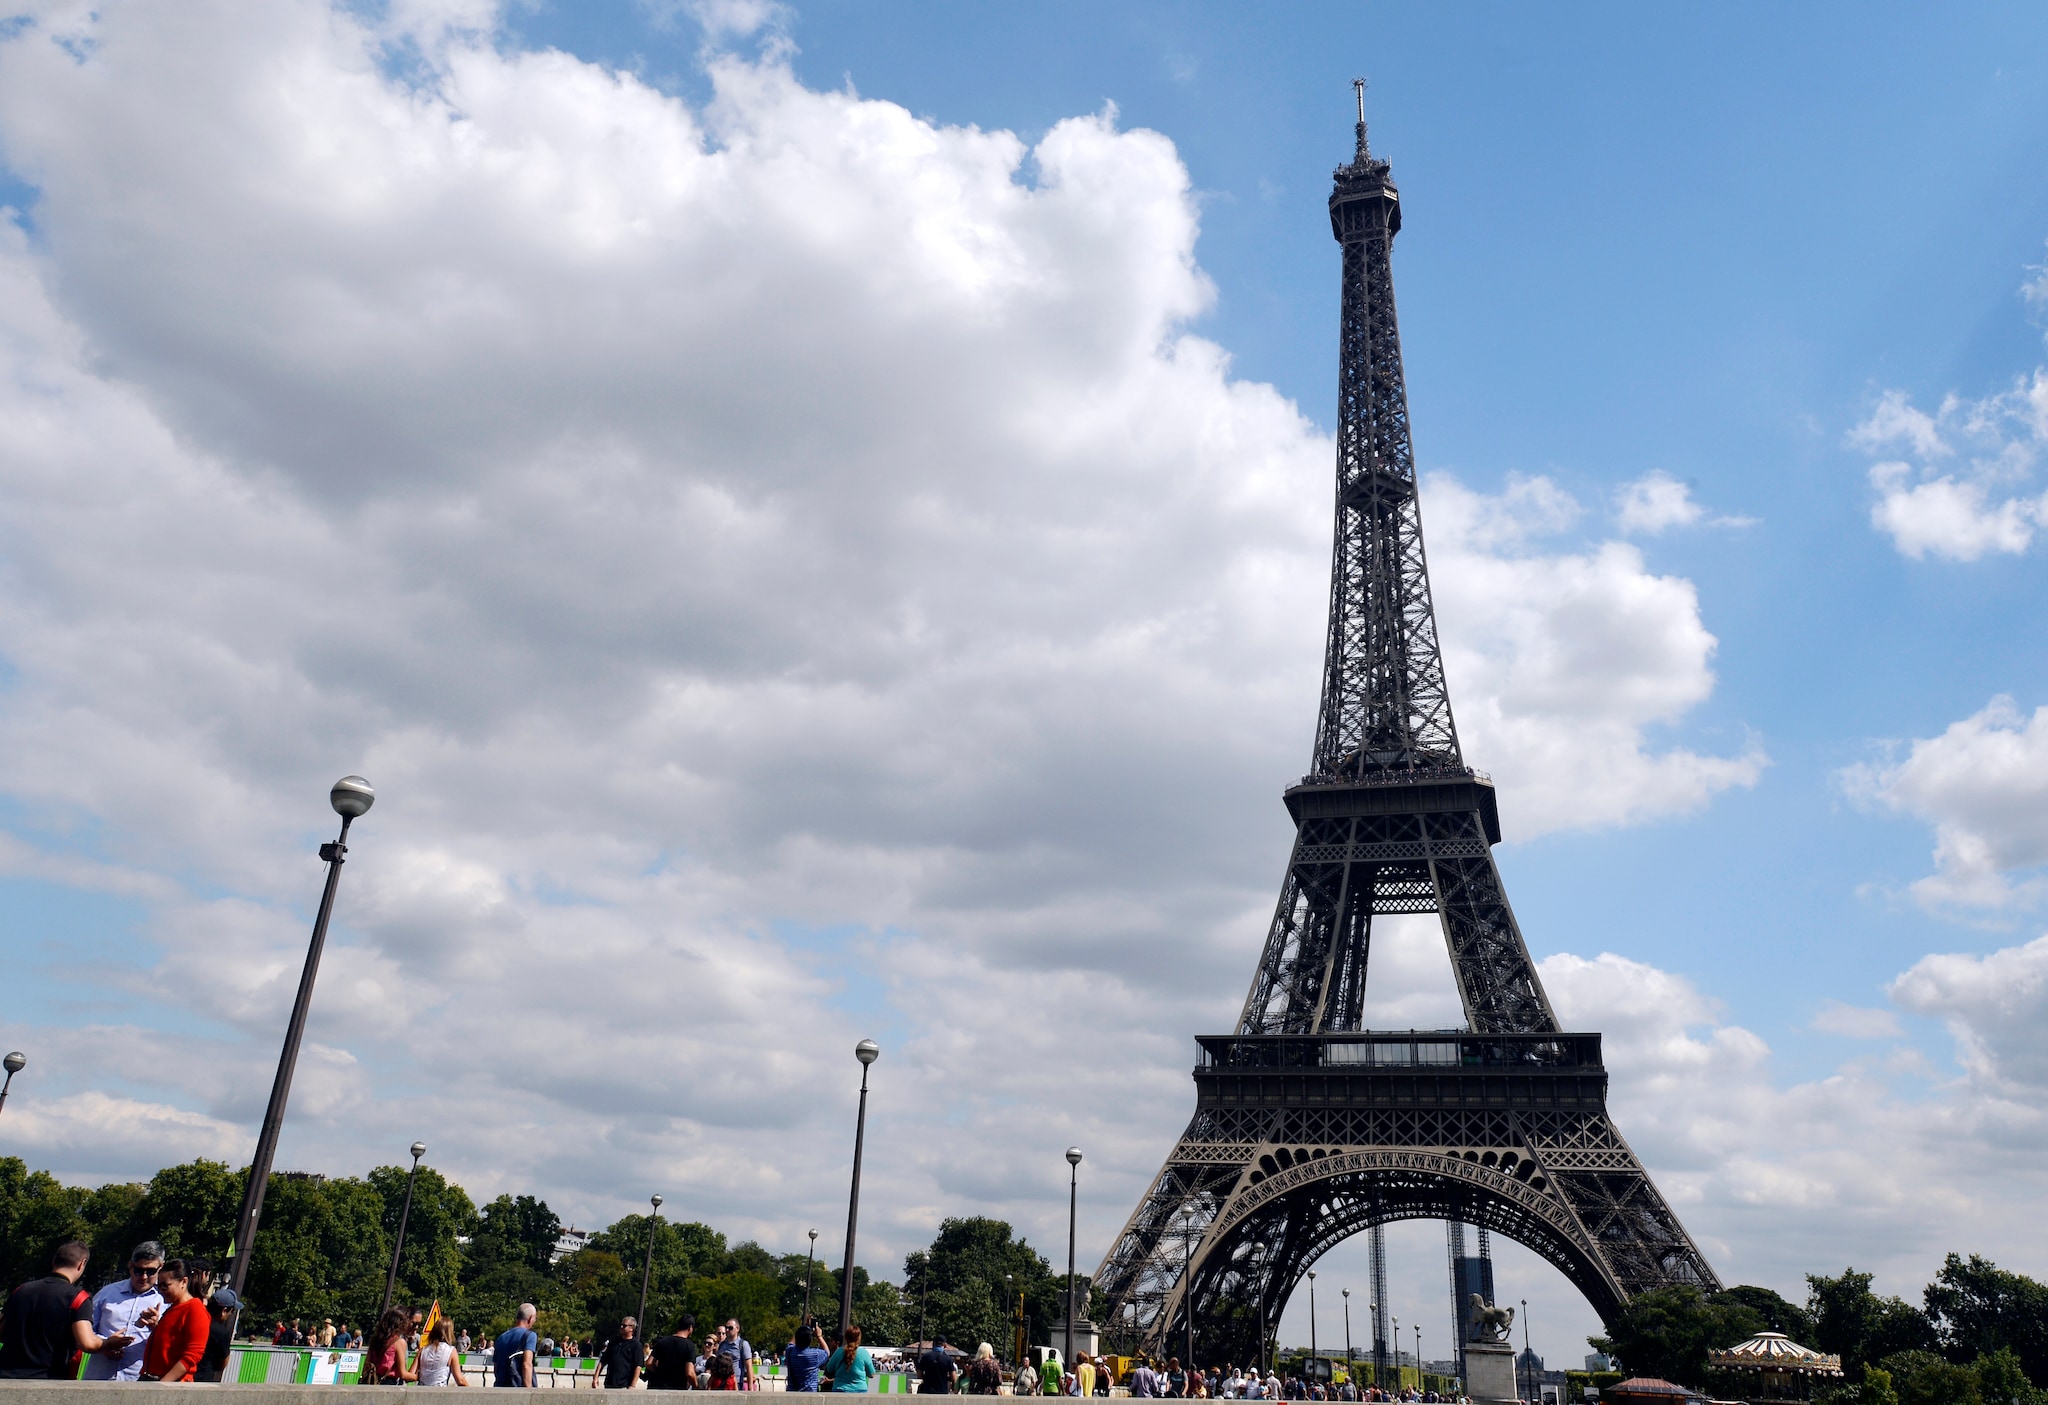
(1308, 1128)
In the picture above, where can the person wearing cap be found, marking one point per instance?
(220, 1336)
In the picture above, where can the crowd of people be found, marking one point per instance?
(166, 1321)
(940, 1372)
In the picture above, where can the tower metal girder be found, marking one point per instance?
(1307, 1128)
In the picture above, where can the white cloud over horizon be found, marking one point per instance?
(1983, 785)
(793, 572)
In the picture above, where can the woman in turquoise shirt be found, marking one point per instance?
(851, 1373)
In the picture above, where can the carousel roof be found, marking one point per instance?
(1774, 1351)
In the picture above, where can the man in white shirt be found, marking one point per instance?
(125, 1310)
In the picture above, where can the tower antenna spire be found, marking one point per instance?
(1358, 87)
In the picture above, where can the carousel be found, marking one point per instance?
(1772, 1368)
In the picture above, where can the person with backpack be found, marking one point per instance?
(935, 1369)
(48, 1322)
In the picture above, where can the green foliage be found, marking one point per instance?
(430, 1265)
(519, 1233)
(36, 1215)
(190, 1209)
(1923, 1378)
(1667, 1332)
(1978, 1309)
(2003, 1381)
(1773, 1312)
(966, 1285)
(1877, 1388)
(321, 1248)
(1863, 1328)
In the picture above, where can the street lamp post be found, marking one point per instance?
(1527, 1355)
(1347, 1337)
(419, 1149)
(1314, 1371)
(14, 1063)
(351, 799)
(1187, 1277)
(647, 1268)
(810, 1264)
(1073, 1207)
(1418, 1353)
(867, 1051)
(1397, 1348)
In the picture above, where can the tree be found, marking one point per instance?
(755, 1299)
(191, 1210)
(878, 1308)
(321, 1250)
(518, 1231)
(1668, 1331)
(430, 1264)
(1978, 1309)
(1773, 1311)
(682, 1252)
(1877, 1388)
(36, 1215)
(1863, 1328)
(1922, 1378)
(966, 1284)
(2002, 1381)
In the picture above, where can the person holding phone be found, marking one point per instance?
(178, 1340)
(123, 1313)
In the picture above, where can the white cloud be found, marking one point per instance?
(1944, 517)
(1776, 1178)
(1657, 502)
(1561, 665)
(1983, 785)
(1960, 515)
(787, 566)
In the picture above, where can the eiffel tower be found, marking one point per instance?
(1309, 1128)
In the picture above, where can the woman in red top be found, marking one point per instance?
(387, 1364)
(179, 1338)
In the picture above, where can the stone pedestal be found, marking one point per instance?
(1087, 1338)
(1490, 1373)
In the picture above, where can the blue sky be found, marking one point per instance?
(802, 503)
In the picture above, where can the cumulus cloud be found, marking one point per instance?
(1983, 785)
(788, 566)
(1657, 502)
(1775, 1177)
(1983, 506)
(1563, 664)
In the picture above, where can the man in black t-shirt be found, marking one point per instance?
(620, 1360)
(220, 1337)
(48, 1322)
(935, 1369)
(674, 1358)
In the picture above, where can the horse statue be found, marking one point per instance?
(1489, 1323)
